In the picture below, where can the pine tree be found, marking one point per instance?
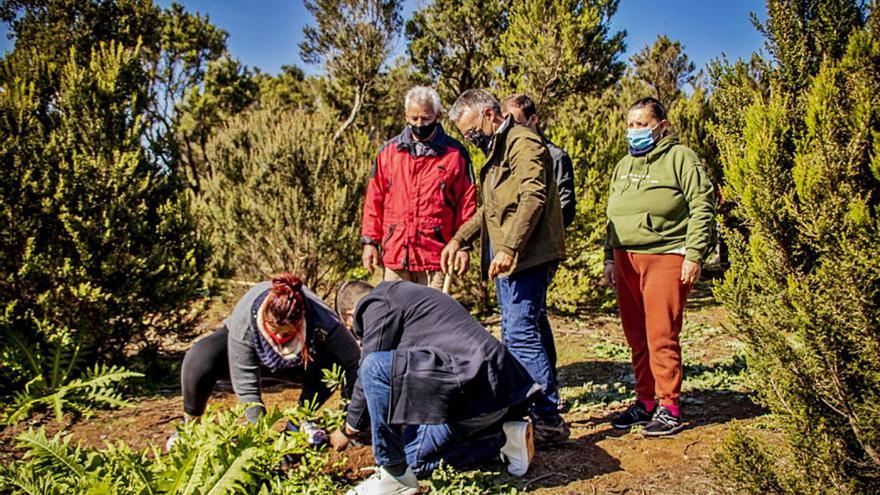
(554, 49)
(665, 67)
(455, 42)
(352, 40)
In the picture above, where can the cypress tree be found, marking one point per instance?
(803, 289)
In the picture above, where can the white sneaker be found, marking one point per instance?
(519, 449)
(383, 483)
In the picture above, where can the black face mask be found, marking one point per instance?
(478, 138)
(423, 132)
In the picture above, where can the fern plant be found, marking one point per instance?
(54, 386)
(220, 454)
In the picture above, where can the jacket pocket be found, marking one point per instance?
(389, 234)
(438, 234)
(446, 201)
(633, 230)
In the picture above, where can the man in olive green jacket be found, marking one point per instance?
(520, 224)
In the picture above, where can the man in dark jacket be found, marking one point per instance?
(524, 112)
(521, 108)
(433, 385)
(520, 226)
(422, 190)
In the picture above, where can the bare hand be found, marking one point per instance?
(448, 255)
(610, 275)
(462, 262)
(500, 264)
(338, 440)
(690, 272)
(371, 257)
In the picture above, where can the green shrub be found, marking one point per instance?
(283, 195)
(98, 241)
(220, 454)
(447, 481)
(592, 131)
(803, 289)
(57, 382)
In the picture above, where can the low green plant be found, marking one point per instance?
(597, 395)
(219, 454)
(446, 480)
(726, 375)
(610, 350)
(56, 383)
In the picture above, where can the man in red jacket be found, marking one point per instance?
(422, 190)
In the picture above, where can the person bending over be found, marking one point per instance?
(278, 330)
(434, 386)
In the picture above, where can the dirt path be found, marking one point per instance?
(596, 381)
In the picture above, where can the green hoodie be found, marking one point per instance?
(661, 202)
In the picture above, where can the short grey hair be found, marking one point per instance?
(423, 96)
(476, 100)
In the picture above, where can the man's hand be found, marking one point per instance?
(462, 262)
(448, 255)
(371, 257)
(500, 264)
(690, 272)
(610, 275)
(338, 440)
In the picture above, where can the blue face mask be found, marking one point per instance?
(640, 141)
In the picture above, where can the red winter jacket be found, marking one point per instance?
(418, 197)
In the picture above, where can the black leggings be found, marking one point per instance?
(207, 361)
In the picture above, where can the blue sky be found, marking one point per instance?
(265, 33)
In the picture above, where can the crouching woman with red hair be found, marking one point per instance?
(278, 330)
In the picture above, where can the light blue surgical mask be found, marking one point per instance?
(640, 141)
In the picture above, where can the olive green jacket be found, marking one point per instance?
(520, 212)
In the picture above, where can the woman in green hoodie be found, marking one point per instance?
(660, 219)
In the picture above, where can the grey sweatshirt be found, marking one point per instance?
(244, 363)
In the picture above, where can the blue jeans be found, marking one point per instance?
(526, 332)
(421, 447)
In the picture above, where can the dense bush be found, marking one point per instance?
(99, 246)
(593, 133)
(804, 284)
(283, 195)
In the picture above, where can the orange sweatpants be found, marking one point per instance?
(651, 297)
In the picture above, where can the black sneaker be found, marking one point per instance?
(634, 415)
(663, 423)
(547, 433)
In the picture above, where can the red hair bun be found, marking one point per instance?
(286, 302)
